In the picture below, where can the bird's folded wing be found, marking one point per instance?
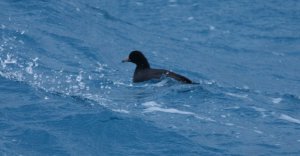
(178, 77)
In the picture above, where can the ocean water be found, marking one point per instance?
(64, 90)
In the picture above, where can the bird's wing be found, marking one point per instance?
(178, 77)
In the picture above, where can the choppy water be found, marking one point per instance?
(64, 90)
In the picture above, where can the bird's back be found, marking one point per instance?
(148, 74)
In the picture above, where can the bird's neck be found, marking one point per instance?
(141, 66)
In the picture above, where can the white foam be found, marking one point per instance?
(69, 79)
(151, 104)
(187, 105)
(276, 100)
(35, 59)
(223, 116)
(29, 68)
(212, 27)
(289, 118)
(190, 18)
(101, 67)
(161, 83)
(246, 87)
(209, 82)
(121, 111)
(242, 96)
(278, 54)
(204, 118)
(229, 124)
(258, 131)
(79, 77)
(234, 107)
(12, 75)
(10, 60)
(167, 110)
(22, 42)
(259, 109)
(81, 85)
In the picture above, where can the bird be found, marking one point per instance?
(143, 71)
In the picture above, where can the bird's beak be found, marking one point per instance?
(126, 60)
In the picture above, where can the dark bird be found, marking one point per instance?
(143, 71)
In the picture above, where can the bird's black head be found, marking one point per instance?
(138, 58)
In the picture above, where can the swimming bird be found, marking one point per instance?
(143, 71)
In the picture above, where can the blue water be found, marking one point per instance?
(64, 90)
